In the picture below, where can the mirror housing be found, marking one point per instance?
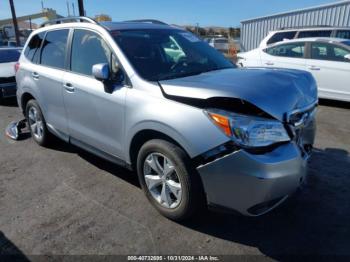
(347, 57)
(101, 71)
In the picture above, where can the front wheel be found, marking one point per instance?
(168, 180)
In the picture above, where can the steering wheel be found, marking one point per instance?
(179, 64)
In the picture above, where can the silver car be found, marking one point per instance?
(198, 131)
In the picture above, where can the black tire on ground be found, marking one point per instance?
(193, 198)
(46, 135)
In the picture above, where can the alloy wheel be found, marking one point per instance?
(162, 180)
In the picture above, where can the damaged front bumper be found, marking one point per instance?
(253, 184)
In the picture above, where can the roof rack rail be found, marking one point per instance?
(306, 26)
(150, 21)
(69, 19)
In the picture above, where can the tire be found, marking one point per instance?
(40, 133)
(184, 205)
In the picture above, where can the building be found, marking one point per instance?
(254, 30)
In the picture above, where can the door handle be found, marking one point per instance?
(35, 75)
(314, 68)
(69, 87)
(269, 63)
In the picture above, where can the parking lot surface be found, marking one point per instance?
(62, 200)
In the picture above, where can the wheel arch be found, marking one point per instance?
(142, 136)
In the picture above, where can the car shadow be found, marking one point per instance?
(9, 251)
(9, 102)
(314, 221)
(334, 103)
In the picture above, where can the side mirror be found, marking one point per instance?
(101, 72)
(347, 57)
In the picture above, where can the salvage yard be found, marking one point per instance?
(62, 200)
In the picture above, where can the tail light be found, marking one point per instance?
(16, 67)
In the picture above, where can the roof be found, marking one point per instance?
(338, 3)
(111, 26)
(313, 39)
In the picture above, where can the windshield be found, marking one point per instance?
(167, 54)
(9, 55)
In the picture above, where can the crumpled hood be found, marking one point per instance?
(275, 91)
(7, 69)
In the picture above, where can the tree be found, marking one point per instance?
(102, 18)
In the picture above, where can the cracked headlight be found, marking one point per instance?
(249, 131)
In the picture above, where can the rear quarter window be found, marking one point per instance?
(32, 50)
(278, 37)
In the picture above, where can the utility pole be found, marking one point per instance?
(73, 8)
(15, 25)
(81, 8)
(68, 8)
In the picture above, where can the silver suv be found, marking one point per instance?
(158, 100)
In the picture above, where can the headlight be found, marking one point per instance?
(249, 131)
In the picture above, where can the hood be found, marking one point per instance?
(7, 69)
(275, 91)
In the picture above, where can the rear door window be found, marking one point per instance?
(32, 50)
(53, 52)
(343, 34)
(319, 33)
(278, 37)
(293, 50)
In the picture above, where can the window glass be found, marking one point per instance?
(320, 33)
(172, 50)
(33, 48)
(343, 34)
(295, 50)
(9, 55)
(88, 49)
(54, 48)
(324, 51)
(146, 51)
(278, 37)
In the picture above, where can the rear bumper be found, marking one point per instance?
(8, 90)
(253, 184)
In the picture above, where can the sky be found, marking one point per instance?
(204, 12)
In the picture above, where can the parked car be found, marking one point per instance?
(219, 43)
(328, 59)
(8, 59)
(198, 131)
(305, 32)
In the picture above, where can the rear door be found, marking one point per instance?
(331, 70)
(285, 55)
(96, 117)
(44, 71)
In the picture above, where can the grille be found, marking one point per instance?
(7, 80)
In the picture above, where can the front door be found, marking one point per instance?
(95, 115)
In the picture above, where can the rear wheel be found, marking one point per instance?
(168, 180)
(37, 124)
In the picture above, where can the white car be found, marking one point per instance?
(8, 58)
(304, 32)
(220, 43)
(328, 59)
